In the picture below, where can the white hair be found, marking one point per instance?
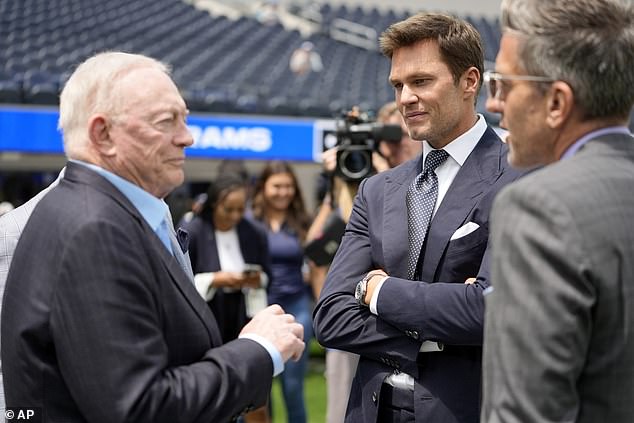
(90, 90)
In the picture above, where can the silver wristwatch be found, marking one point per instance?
(361, 289)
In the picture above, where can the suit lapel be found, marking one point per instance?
(84, 175)
(395, 230)
(478, 172)
(184, 285)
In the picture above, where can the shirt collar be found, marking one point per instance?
(590, 135)
(151, 208)
(460, 148)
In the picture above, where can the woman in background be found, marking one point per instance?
(278, 204)
(230, 259)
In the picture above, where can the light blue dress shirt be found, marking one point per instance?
(594, 134)
(154, 211)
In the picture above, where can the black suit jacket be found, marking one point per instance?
(100, 323)
(438, 308)
(228, 307)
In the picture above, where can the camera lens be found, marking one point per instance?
(355, 164)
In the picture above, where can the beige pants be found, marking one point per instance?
(340, 369)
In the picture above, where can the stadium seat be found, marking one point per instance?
(204, 51)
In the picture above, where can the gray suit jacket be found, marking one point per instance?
(559, 334)
(101, 324)
(11, 226)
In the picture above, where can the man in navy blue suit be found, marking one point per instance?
(396, 292)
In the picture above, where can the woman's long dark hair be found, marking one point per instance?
(296, 217)
(222, 186)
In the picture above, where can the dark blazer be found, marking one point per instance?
(559, 343)
(440, 308)
(101, 324)
(228, 307)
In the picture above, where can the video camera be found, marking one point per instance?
(357, 137)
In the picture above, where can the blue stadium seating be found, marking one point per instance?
(221, 65)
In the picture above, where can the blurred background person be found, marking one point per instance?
(229, 256)
(305, 59)
(267, 12)
(236, 167)
(391, 154)
(279, 205)
(197, 205)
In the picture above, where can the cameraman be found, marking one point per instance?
(341, 365)
(392, 154)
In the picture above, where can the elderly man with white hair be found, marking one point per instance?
(100, 320)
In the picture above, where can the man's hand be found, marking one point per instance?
(280, 329)
(329, 159)
(375, 276)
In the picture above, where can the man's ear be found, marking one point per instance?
(99, 133)
(471, 79)
(560, 104)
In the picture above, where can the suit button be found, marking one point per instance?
(374, 397)
(412, 334)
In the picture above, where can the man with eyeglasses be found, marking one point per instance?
(559, 325)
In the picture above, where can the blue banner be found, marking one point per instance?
(251, 138)
(31, 130)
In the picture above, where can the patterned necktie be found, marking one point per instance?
(421, 199)
(181, 256)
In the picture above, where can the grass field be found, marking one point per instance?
(314, 390)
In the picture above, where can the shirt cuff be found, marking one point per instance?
(204, 282)
(264, 280)
(276, 357)
(375, 296)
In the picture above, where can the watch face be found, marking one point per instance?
(359, 292)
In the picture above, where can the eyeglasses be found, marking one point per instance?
(495, 89)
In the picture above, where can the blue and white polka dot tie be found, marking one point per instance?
(421, 199)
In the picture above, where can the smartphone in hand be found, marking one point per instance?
(251, 269)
